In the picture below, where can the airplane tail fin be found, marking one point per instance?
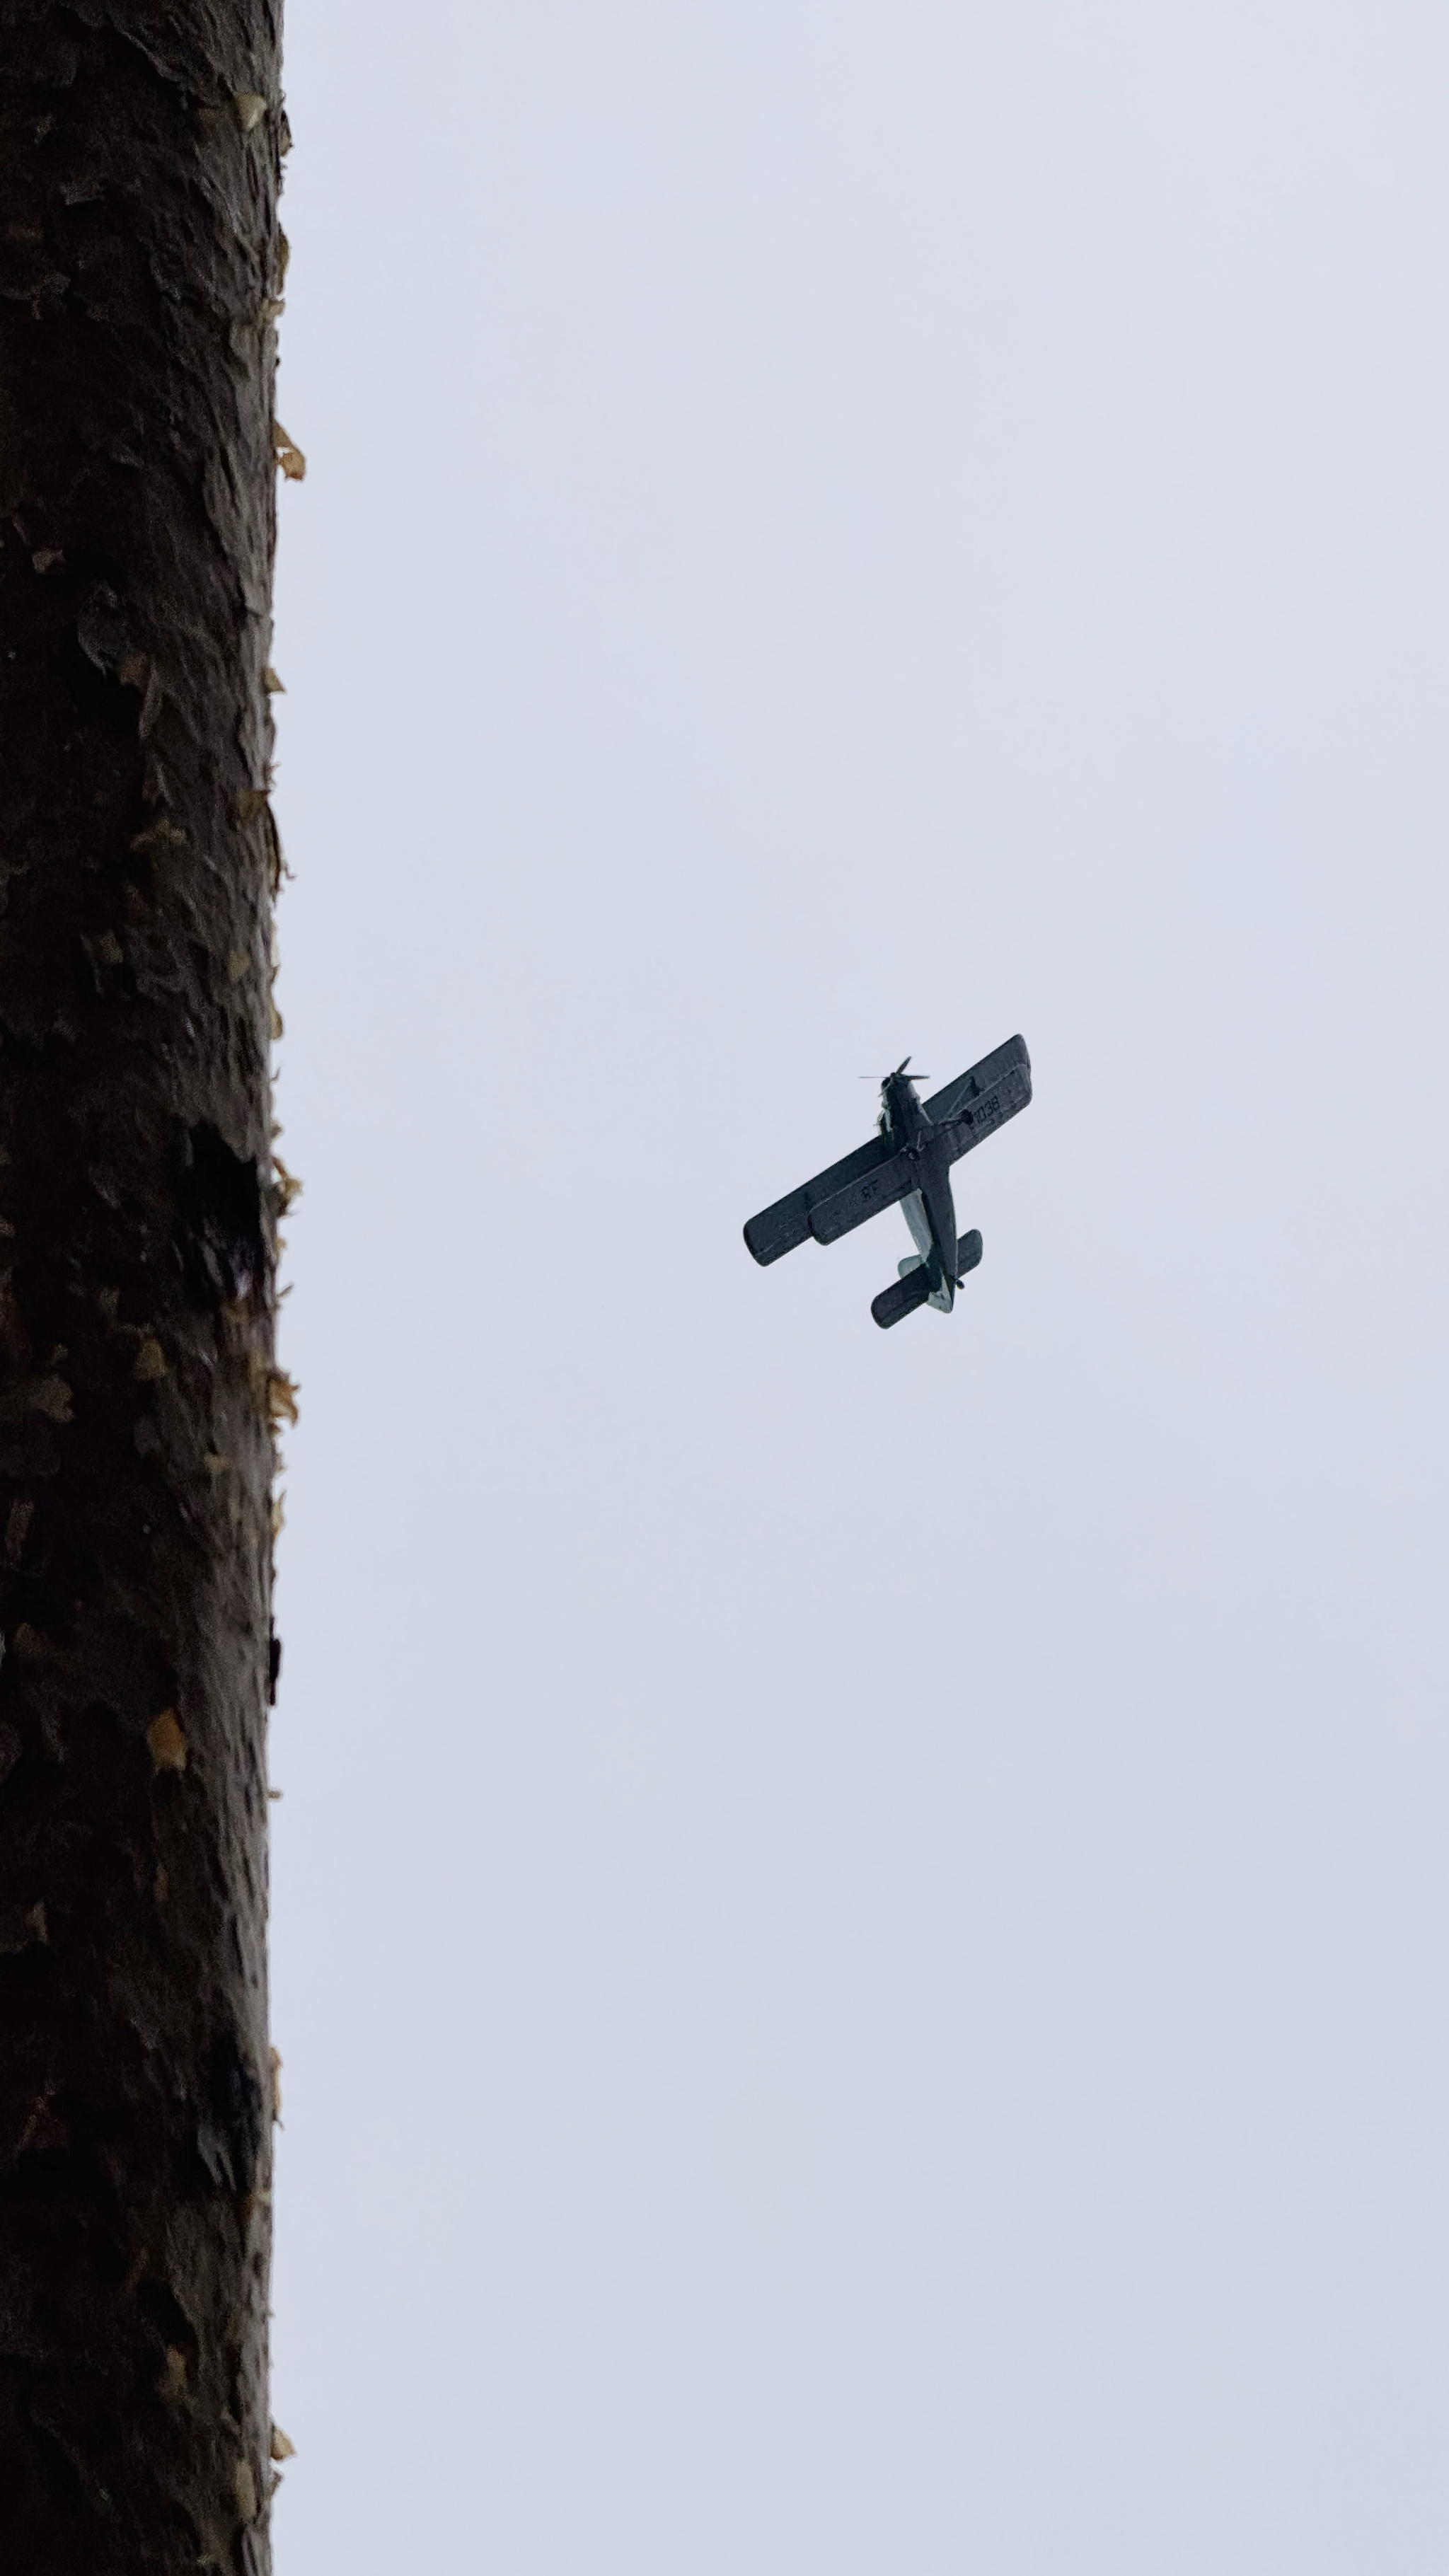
(914, 1285)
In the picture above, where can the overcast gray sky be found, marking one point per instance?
(860, 1919)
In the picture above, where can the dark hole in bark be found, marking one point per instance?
(103, 627)
(80, 566)
(64, 2486)
(99, 694)
(56, 65)
(98, 641)
(221, 1200)
(229, 2125)
(274, 1672)
(44, 2169)
(165, 2314)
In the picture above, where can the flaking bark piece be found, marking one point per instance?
(167, 1741)
(289, 455)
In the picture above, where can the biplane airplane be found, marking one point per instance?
(908, 1163)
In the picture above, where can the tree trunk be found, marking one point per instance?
(140, 264)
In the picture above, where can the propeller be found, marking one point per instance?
(900, 1068)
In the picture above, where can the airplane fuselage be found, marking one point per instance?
(930, 1208)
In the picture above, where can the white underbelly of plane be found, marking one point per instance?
(920, 1225)
(918, 1221)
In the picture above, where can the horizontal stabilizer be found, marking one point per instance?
(914, 1287)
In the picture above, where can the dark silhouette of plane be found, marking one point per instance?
(908, 1161)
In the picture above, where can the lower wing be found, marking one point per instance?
(792, 1220)
(831, 1218)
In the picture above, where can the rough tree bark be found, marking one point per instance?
(140, 267)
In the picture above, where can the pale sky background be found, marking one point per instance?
(861, 1920)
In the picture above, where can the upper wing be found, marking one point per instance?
(832, 1217)
(792, 1220)
(983, 1099)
